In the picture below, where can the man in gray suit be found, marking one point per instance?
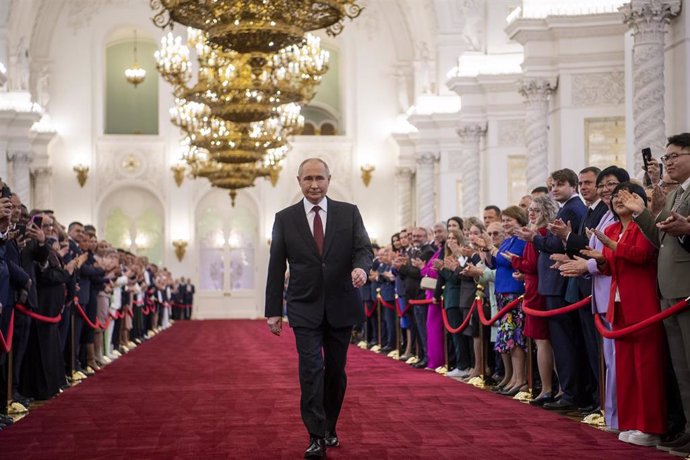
(674, 266)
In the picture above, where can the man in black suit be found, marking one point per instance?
(575, 240)
(329, 253)
(565, 329)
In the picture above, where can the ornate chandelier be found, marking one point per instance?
(263, 26)
(242, 88)
(135, 74)
(228, 142)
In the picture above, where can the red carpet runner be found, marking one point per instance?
(228, 389)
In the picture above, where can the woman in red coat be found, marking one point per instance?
(630, 259)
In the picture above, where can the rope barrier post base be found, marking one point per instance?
(443, 370)
(377, 348)
(364, 344)
(481, 381)
(13, 407)
(395, 354)
(75, 376)
(530, 365)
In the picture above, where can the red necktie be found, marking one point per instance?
(318, 229)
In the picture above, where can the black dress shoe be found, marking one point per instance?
(421, 364)
(6, 420)
(541, 400)
(331, 439)
(591, 409)
(561, 404)
(316, 449)
(386, 349)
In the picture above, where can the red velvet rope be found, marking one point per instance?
(7, 344)
(36, 316)
(117, 315)
(97, 324)
(180, 305)
(497, 316)
(618, 333)
(385, 304)
(464, 323)
(421, 302)
(557, 311)
(401, 312)
(368, 311)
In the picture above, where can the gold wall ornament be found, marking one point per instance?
(274, 174)
(180, 249)
(178, 171)
(135, 74)
(131, 163)
(367, 172)
(256, 26)
(82, 172)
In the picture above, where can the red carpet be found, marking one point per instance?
(229, 389)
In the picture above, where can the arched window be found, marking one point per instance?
(129, 109)
(324, 111)
(131, 218)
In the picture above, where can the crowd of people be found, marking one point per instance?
(71, 303)
(616, 247)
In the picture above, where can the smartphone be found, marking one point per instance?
(37, 220)
(646, 156)
(5, 192)
(21, 229)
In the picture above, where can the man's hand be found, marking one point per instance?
(437, 264)
(559, 260)
(472, 271)
(560, 228)
(675, 225)
(417, 263)
(275, 324)
(34, 231)
(574, 268)
(359, 278)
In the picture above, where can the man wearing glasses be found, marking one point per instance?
(664, 225)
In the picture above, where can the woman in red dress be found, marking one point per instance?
(540, 212)
(631, 259)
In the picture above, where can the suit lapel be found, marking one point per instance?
(330, 225)
(300, 218)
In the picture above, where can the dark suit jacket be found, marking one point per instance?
(320, 286)
(551, 283)
(577, 240)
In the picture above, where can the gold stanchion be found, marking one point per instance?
(597, 418)
(480, 382)
(377, 348)
(76, 376)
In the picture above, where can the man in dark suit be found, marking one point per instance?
(329, 253)
(575, 239)
(565, 330)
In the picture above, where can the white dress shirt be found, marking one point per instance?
(308, 205)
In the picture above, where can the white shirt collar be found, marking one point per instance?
(308, 205)
(685, 185)
(595, 204)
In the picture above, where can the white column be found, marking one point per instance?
(470, 136)
(42, 195)
(648, 20)
(424, 185)
(536, 92)
(403, 190)
(21, 175)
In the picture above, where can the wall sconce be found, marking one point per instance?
(367, 171)
(180, 249)
(178, 171)
(82, 172)
(274, 173)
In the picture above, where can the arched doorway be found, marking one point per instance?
(227, 242)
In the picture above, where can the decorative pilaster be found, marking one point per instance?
(648, 20)
(403, 190)
(21, 175)
(470, 137)
(536, 92)
(425, 188)
(42, 195)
